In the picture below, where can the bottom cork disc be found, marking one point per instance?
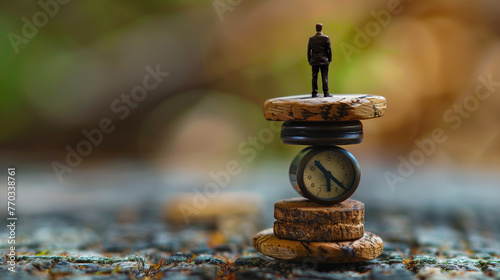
(366, 248)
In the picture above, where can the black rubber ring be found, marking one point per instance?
(322, 133)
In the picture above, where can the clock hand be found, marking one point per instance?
(325, 172)
(337, 181)
(321, 167)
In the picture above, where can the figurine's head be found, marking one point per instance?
(319, 27)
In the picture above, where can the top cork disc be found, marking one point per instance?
(301, 210)
(339, 107)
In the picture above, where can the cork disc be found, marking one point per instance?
(366, 248)
(339, 107)
(180, 209)
(318, 232)
(301, 210)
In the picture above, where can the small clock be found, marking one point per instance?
(325, 175)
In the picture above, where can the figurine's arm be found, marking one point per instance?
(309, 50)
(329, 50)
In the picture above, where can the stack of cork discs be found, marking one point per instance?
(326, 234)
(320, 232)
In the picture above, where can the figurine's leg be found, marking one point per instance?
(324, 77)
(315, 71)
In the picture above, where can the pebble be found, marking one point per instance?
(42, 264)
(176, 258)
(21, 275)
(396, 259)
(92, 259)
(419, 259)
(248, 261)
(390, 274)
(202, 259)
(217, 261)
(370, 265)
(197, 273)
(252, 273)
(62, 267)
(311, 274)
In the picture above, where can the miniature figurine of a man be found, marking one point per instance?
(319, 55)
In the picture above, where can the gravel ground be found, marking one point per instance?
(457, 237)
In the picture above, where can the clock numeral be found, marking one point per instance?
(309, 177)
(328, 158)
(312, 168)
(345, 177)
(343, 166)
(312, 185)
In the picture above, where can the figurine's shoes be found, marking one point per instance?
(314, 94)
(327, 95)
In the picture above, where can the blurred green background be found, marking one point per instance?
(224, 59)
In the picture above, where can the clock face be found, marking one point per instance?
(326, 175)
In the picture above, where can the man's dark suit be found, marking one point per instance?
(319, 55)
